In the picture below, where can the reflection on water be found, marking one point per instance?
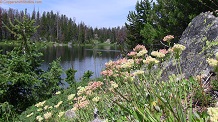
(80, 58)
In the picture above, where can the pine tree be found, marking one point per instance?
(74, 31)
(140, 19)
(81, 35)
(23, 31)
(150, 21)
(1, 24)
(22, 82)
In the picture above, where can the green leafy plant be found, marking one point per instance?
(70, 76)
(23, 82)
(87, 75)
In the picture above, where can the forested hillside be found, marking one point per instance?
(57, 27)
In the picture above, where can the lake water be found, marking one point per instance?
(81, 58)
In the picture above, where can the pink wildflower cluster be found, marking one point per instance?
(139, 48)
(114, 68)
(138, 51)
(138, 61)
(82, 102)
(164, 51)
(159, 54)
(107, 72)
(114, 64)
(168, 38)
(93, 86)
(132, 54)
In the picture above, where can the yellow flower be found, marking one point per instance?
(154, 103)
(113, 84)
(138, 72)
(213, 112)
(40, 109)
(212, 62)
(47, 115)
(80, 87)
(178, 48)
(71, 96)
(81, 90)
(216, 55)
(170, 50)
(58, 93)
(39, 118)
(59, 103)
(60, 114)
(29, 114)
(74, 108)
(128, 64)
(157, 54)
(50, 107)
(40, 104)
(142, 53)
(96, 99)
(150, 60)
(46, 107)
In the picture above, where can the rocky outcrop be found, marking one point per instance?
(201, 41)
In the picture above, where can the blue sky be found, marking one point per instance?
(95, 13)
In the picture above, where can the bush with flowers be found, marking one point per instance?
(131, 89)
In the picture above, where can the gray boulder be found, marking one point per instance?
(201, 41)
(70, 114)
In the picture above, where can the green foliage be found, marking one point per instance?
(23, 31)
(150, 34)
(50, 81)
(215, 84)
(23, 83)
(19, 73)
(6, 112)
(50, 103)
(137, 19)
(86, 76)
(70, 76)
(151, 21)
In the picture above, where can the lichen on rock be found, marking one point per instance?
(201, 41)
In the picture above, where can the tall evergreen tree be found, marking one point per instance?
(150, 21)
(137, 21)
(1, 24)
(69, 31)
(81, 35)
(33, 14)
(22, 82)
